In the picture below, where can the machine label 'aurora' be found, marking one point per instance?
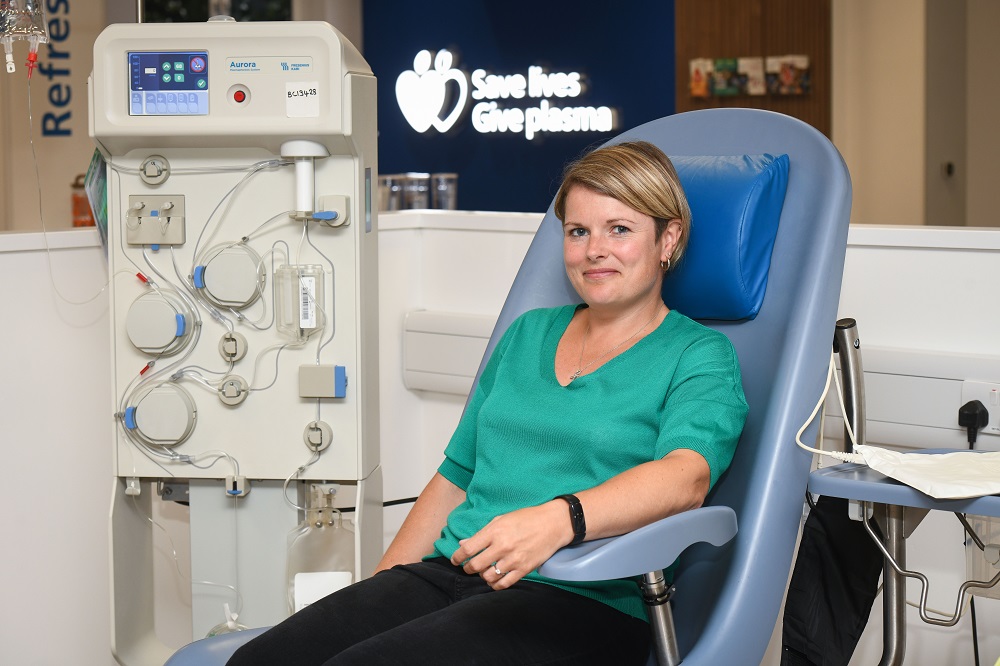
(270, 64)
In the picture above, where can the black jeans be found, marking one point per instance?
(434, 613)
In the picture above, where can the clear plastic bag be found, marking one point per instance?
(22, 19)
(320, 551)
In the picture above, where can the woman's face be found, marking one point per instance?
(611, 251)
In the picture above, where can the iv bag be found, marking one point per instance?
(23, 19)
(320, 552)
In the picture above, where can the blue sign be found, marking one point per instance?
(505, 95)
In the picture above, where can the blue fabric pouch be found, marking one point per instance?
(735, 203)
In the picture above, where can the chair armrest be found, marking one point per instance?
(214, 651)
(649, 548)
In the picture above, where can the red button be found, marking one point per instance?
(239, 96)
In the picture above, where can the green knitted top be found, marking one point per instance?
(525, 439)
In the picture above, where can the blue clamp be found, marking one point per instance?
(199, 277)
(328, 215)
(130, 418)
(339, 381)
(155, 247)
(181, 324)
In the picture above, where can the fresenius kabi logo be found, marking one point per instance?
(437, 97)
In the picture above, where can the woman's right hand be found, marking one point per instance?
(513, 545)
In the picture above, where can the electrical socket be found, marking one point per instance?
(987, 393)
(155, 219)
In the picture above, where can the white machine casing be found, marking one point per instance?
(299, 96)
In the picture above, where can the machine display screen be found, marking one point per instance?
(168, 83)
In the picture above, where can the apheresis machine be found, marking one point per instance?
(243, 254)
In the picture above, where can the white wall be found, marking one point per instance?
(345, 15)
(55, 428)
(983, 110)
(878, 106)
(914, 88)
(946, 100)
(923, 288)
(56, 424)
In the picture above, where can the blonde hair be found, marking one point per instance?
(639, 175)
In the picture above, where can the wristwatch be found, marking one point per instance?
(576, 518)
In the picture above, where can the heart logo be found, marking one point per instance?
(422, 92)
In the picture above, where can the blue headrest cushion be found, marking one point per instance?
(735, 207)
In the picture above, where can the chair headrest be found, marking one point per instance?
(735, 203)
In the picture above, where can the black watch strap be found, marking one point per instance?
(576, 518)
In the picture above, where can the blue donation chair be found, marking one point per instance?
(770, 200)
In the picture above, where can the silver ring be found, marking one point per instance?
(497, 571)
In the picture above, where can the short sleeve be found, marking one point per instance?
(705, 409)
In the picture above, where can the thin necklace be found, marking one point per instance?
(580, 367)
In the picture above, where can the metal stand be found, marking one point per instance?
(892, 518)
(847, 346)
(894, 551)
(656, 595)
(893, 585)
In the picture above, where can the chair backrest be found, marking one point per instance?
(728, 599)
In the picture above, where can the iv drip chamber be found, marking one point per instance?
(159, 323)
(161, 415)
(300, 300)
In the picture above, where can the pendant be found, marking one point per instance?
(575, 375)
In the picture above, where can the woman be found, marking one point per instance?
(589, 421)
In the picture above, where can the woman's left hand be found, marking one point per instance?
(515, 544)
